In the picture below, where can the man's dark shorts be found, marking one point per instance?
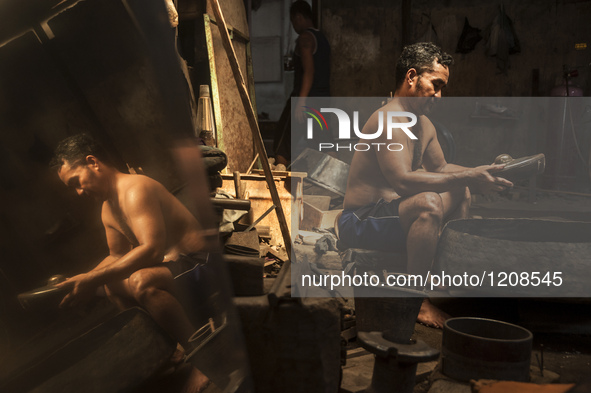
(195, 285)
(375, 226)
(186, 263)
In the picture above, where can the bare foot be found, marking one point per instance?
(431, 316)
(196, 382)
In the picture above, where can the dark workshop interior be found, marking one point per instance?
(190, 93)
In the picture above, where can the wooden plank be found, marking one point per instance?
(318, 218)
(321, 202)
(232, 125)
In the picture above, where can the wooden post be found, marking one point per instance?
(254, 126)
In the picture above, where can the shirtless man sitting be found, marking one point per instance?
(389, 204)
(147, 229)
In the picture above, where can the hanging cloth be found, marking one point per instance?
(502, 40)
(469, 38)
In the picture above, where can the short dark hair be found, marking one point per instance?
(301, 7)
(420, 56)
(75, 149)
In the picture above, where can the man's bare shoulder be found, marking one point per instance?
(134, 188)
(306, 39)
(140, 182)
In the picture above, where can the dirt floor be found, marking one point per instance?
(567, 355)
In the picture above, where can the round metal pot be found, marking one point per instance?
(478, 348)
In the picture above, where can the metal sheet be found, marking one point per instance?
(323, 171)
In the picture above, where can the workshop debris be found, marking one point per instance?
(229, 216)
(243, 243)
(289, 189)
(317, 213)
(272, 268)
(275, 257)
(323, 170)
(326, 243)
(307, 238)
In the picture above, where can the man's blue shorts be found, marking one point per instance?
(375, 226)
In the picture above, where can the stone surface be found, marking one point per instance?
(358, 370)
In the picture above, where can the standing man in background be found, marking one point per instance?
(311, 79)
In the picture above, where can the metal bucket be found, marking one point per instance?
(478, 348)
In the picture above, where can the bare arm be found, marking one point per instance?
(439, 176)
(118, 246)
(146, 221)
